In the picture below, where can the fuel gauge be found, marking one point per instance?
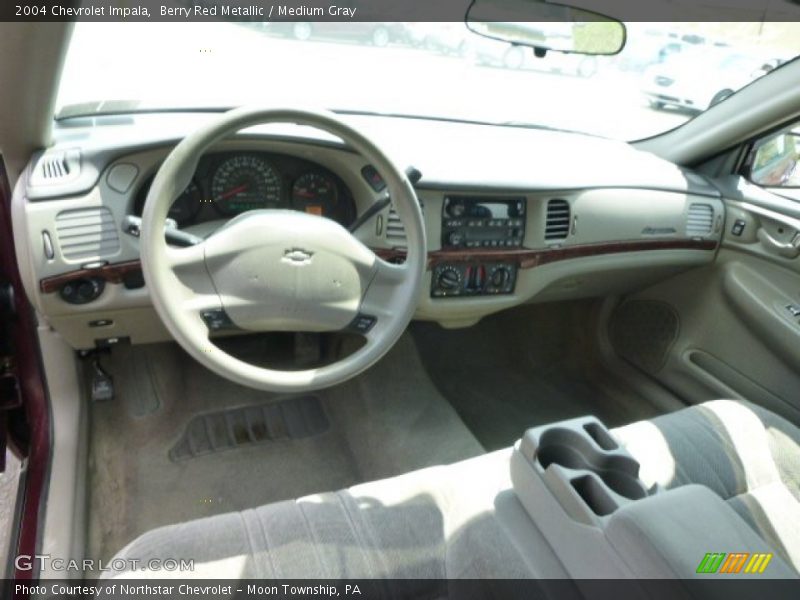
(315, 194)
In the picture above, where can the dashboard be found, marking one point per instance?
(227, 184)
(508, 219)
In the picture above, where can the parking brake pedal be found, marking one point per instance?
(102, 382)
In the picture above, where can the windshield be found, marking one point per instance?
(422, 69)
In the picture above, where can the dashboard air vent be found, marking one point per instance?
(87, 233)
(700, 219)
(557, 222)
(56, 167)
(395, 231)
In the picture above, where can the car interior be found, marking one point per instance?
(291, 342)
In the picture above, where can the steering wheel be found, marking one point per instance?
(279, 270)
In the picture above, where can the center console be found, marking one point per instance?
(584, 467)
(472, 223)
(582, 490)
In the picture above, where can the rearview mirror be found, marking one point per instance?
(546, 26)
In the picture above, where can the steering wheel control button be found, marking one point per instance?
(82, 291)
(363, 323)
(217, 319)
(738, 227)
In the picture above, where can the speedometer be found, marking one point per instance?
(245, 182)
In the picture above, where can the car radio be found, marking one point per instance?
(473, 222)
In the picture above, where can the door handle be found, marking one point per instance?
(785, 249)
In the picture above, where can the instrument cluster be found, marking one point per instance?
(231, 183)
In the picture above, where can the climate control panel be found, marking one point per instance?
(459, 279)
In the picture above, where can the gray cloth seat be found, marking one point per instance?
(464, 520)
(420, 525)
(746, 454)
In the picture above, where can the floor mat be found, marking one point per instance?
(525, 367)
(292, 419)
(387, 421)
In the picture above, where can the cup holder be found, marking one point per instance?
(574, 450)
(595, 495)
(600, 435)
(577, 464)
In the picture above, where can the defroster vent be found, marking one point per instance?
(56, 168)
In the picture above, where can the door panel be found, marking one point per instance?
(769, 310)
(737, 334)
(31, 425)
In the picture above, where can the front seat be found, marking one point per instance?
(746, 454)
(464, 521)
(419, 526)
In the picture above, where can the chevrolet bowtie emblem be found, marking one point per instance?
(297, 256)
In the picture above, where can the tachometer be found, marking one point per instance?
(187, 205)
(314, 193)
(245, 182)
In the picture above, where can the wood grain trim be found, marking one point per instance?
(526, 258)
(523, 257)
(113, 273)
(556, 254)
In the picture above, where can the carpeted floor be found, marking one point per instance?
(388, 421)
(524, 367)
(175, 444)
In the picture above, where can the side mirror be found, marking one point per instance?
(546, 26)
(774, 161)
